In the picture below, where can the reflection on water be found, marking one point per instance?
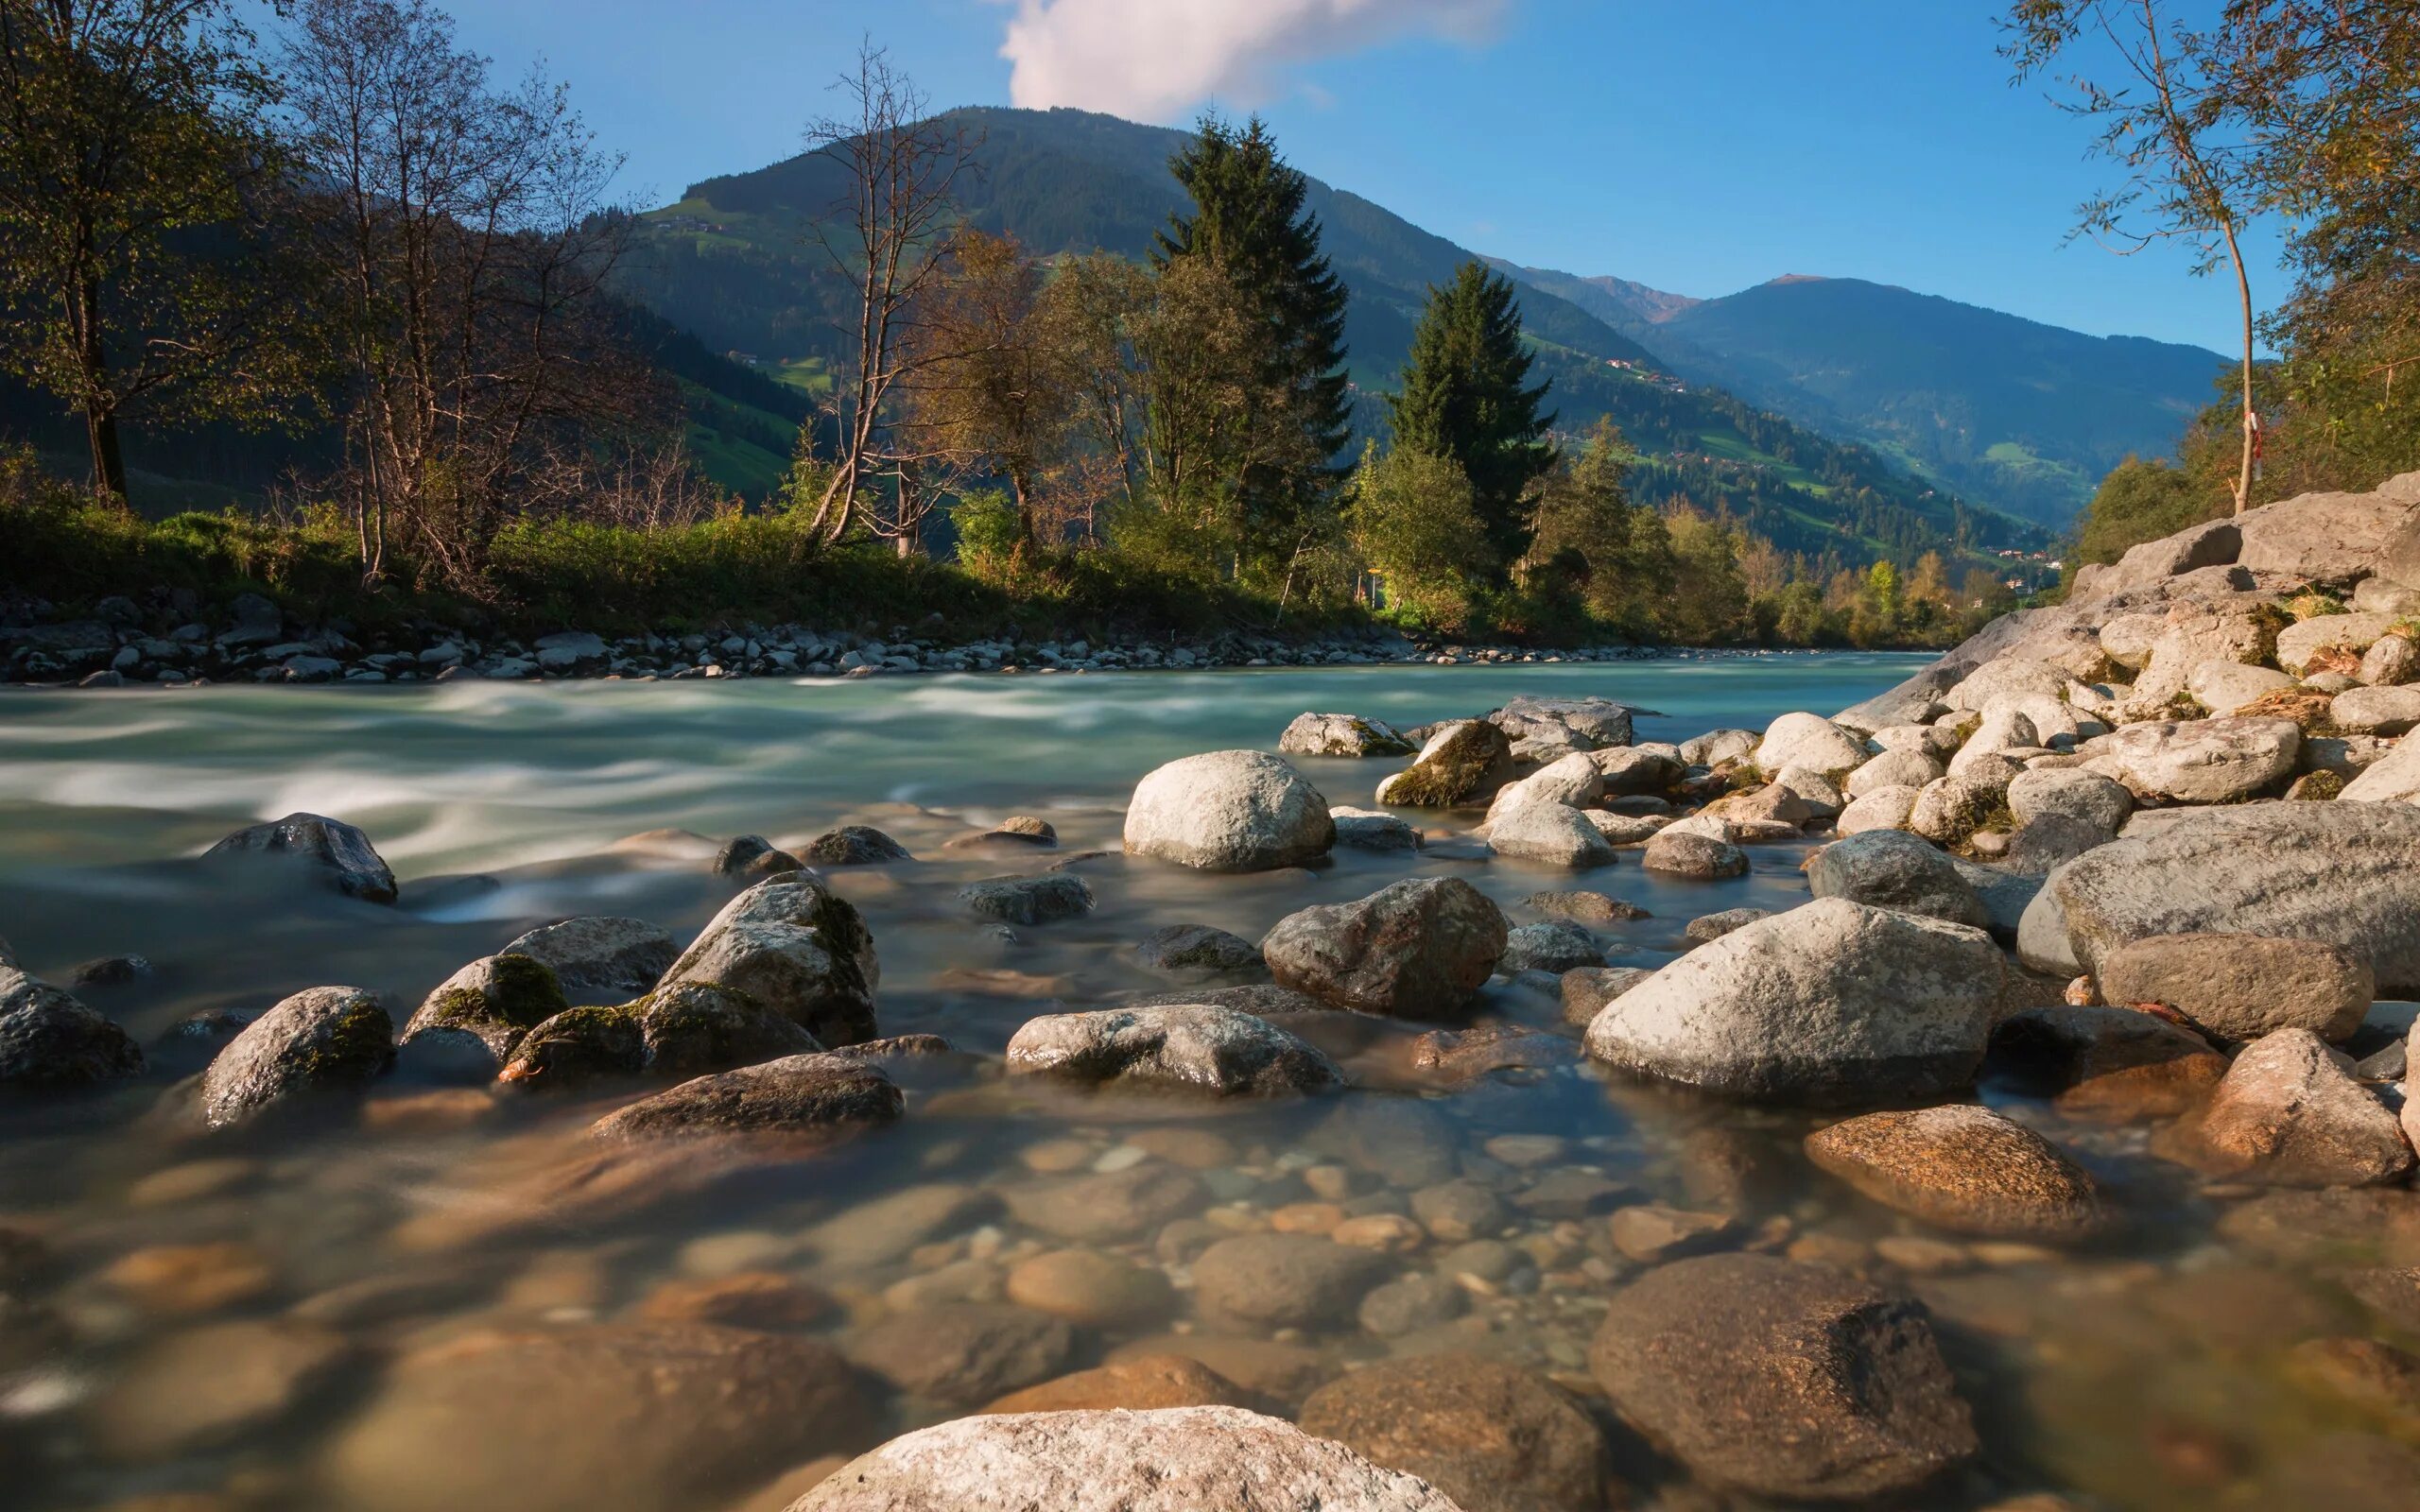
(444, 1298)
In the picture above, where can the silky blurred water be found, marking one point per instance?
(505, 807)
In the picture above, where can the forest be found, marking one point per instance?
(340, 250)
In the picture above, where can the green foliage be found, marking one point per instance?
(2143, 501)
(1287, 411)
(989, 533)
(1465, 396)
(1414, 515)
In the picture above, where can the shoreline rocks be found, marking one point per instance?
(1419, 949)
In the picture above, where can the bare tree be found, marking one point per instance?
(890, 236)
(2168, 125)
(469, 236)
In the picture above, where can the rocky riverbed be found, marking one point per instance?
(168, 639)
(1989, 1095)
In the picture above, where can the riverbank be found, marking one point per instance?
(121, 644)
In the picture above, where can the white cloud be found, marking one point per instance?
(1155, 60)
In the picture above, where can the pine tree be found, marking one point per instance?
(1464, 397)
(1249, 218)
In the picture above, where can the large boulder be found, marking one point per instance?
(1542, 729)
(1687, 854)
(2375, 710)
(1229, 810)
(599, 959)
(2289, 1113)
(2395, 777)
(696, 1414)
(1890, 870)
(1832, 1002)
(1636, 771)
(333, 851)
(1963, 1168)
(1495, 1436)
(1893, 769)
(2306, 641)
(1571, 781)
(1188, 1047)
(1342, 735)
(1780, 1379)
(48, 1039)
(1419, 949)
(2342, 873)
(1884, 807)
(494, 1000)
(2201, 760)
(324, 1039)
(2213, 543)
(1550, 834)
(1464, 760)
(811, 1097)
(2241, 986)
(2069, 792)
(797, 947)
(1175, 1459)
(1809, 741)
(687, 1029)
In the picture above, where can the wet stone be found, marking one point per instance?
(1029, 899)
(1107, 1208)
(1197, 948)
(1493, 1436)
(1283, 1280)
(1415, 1302)
(1143, 1384)
(963, 1355)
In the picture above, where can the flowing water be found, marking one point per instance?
(309, 1316)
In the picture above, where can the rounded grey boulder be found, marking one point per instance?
(1890, 869)
(2344, 873)
(1419, 949)
(48, 1039)
(599, 959)
(1229, 810)
(334, 851)
(1342, 735)
(796, 947)
(1183, 1046)
(326, 1039)
(1833, 1002)
(2241, 986)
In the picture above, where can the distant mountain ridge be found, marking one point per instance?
(730, 261)
(2013, 413)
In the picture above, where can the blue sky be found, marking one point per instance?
(1698, 148)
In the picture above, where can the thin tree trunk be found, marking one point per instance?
(2243, 293)
(100, 420)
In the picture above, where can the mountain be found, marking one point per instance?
(2010, 412)
(731, 262)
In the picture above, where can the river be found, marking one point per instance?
(250, 1320)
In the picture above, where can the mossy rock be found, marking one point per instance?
(580, 1045)
(2317, 787)
(496, 999)
(696, 1028)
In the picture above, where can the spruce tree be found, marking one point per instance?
(1249, 217)
(1464, 397)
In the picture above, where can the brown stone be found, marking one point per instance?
(1783, 1380)
(2289, 1113)
(747, 1300)
(1141, 1383)
(1963, 1168)
(2240, 986)
(190, 1279)
(1087, 1286)
(211, 1387)
(1652, 1234)
(1492, 1435)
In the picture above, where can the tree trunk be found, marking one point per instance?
(100, 416)
(2243, 294)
